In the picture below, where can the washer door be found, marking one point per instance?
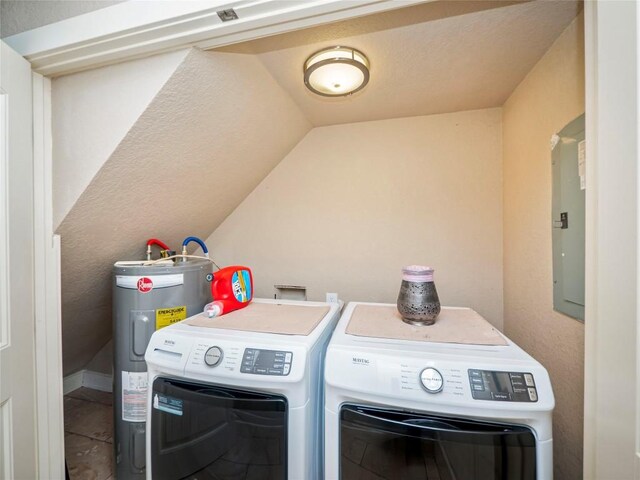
(214, 432)
(388, 444)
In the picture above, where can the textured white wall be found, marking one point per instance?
(92, 111)
(212, 133)
(550, 97)
(353, 203)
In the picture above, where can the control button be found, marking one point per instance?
(533, 395)
(261, 370)
(213, 357)
(431, 380)
(501, 396)
(286, 369)
(528, 379)
(479, 388)
(287, 357)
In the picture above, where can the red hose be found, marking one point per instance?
(155, 241)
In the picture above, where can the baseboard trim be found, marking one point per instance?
(72, 382)
(89, 379)
(97, 381)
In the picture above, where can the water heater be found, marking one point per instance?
(146, 297)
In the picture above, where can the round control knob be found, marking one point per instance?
(213, 356)
(431, 380)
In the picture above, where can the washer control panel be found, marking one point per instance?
(431, 380)
(266, 362)
(502, 386)
(213, 356)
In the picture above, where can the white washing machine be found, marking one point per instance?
(239, 396)
(414, 409)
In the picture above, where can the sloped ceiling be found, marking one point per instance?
(437, 57)
(99, 106)
(213, 132)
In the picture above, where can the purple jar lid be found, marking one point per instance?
(417, 273)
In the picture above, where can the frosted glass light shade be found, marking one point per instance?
(336, 71)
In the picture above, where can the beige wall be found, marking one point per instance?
(550, 96)
(352, 204)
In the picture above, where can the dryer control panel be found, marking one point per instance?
(502, 386)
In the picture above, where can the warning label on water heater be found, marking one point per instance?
(169, 316)
(134, 396)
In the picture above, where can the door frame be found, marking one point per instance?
(611, 298)
(612, 341)
(48, 318)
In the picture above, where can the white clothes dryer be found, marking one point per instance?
(239, 396)
(399, 406)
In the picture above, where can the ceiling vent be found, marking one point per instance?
(228, 15)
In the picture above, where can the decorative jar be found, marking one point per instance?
(418, 301)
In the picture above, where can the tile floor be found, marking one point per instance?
(88, 434)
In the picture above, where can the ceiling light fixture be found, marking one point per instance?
(336, 71)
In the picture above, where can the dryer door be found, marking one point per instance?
(394, 444)
(205, 431)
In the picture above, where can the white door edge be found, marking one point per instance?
(18, 410)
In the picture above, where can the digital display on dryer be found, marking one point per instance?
(502, 386)
(266, 362)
